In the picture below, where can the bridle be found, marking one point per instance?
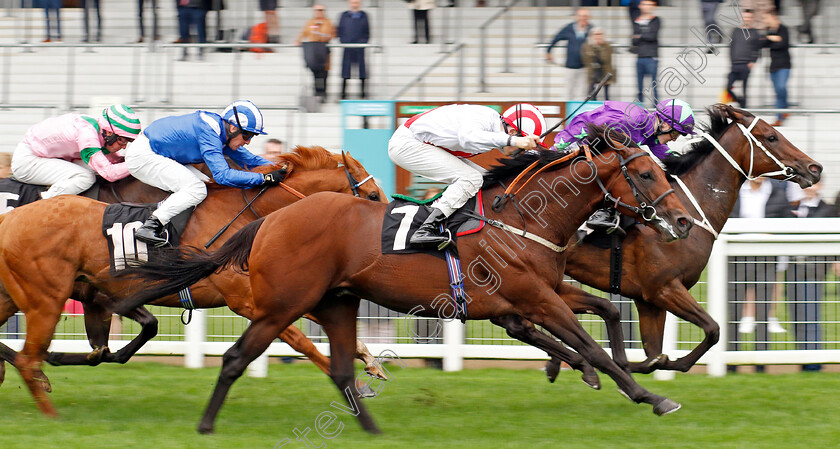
(646, 208)
(354, 185)
(785, 170)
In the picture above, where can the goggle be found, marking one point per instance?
(247, 135)
(124, 140)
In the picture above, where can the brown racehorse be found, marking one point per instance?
(36, 236)
(328, 249)
(656, 275)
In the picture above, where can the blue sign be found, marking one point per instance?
(370, 146)
(572, 105)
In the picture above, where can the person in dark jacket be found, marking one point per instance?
(810, 8)
(353, 28)
(778, 39)
(743, 53)
(192, 13)
(597, 55)
(646, 43)
(575, 34)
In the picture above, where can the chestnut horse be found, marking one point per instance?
(327, 249)
(35, 237)
(657, 275)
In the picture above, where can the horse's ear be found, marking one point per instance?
(344, 158)
(735, 114)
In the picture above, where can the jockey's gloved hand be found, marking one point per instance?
(525, 142)
(275, 177)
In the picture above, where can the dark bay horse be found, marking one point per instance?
(327, 249)
(657, 275)
(54, 249)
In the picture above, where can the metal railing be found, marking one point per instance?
(418, 80)
(482, 61)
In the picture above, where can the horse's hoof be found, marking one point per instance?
(365, 391)
(44, 382)
(591, 380)
(658, 362)
(95, 357)
(552, 370)
(205, 429)
(374, 370)
(666, 406)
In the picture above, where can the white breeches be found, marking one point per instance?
(184, 181)
(464, 177)
(64, 177)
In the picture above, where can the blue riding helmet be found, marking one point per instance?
(247, 116)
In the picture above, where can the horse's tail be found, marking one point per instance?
(170, 270)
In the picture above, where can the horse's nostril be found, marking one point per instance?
(815, 169)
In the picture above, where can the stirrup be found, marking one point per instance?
(443, 245)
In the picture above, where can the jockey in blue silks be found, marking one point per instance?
(159, 156)
(671, 119)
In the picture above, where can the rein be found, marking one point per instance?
(500, 201)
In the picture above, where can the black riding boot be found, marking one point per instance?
(151, 232)
(427, 235)
(605, 220)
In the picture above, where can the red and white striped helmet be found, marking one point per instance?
(525, 118)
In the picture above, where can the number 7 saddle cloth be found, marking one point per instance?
(404, 216)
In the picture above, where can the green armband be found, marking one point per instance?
(87, 153)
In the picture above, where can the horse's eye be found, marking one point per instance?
(373, 196)
(772, 138)
(646, 176)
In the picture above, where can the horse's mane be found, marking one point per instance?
(718, 124)
(303, 158)
(513, 166)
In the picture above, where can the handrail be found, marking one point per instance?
(482, 77)
(434, 65)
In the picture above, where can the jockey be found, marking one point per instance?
(671, 119)
(51, 151)
(437, 144)
(159, 155)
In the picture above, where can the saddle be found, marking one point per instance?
(405, 215)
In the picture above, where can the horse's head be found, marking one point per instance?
(314, 169)
(361, 182)
(639, 186)
(763, 150)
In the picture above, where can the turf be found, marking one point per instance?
(156, 406)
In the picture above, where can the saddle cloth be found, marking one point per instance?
(15, 194)
(403, 217)
(119, 223)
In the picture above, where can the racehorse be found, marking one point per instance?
(328, 251)
(40, 267)
(657, 275)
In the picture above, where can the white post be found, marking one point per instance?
(717, 304)
(669, 345)
(195, 334)
(259, 367)
(453, 338)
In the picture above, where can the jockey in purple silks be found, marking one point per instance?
(671, 119)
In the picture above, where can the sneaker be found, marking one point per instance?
(747, 325)
(774, 327)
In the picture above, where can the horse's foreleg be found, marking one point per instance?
(300, 343)
(97, 326)
(40, 327)
(148, 330)
(683, 305)
(555, 316)
(523, 330)
(7, 354)
(582, 302)
(338, 317)
(651, 330)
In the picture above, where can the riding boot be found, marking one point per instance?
(427, 235)
(151, 232)
(605, 220)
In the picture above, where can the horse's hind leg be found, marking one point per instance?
(253, 342)
(7, 354)
(523, 330)
(148, 330)
(362, 353)
(338, 317)
(300, 343)
(582, 302)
